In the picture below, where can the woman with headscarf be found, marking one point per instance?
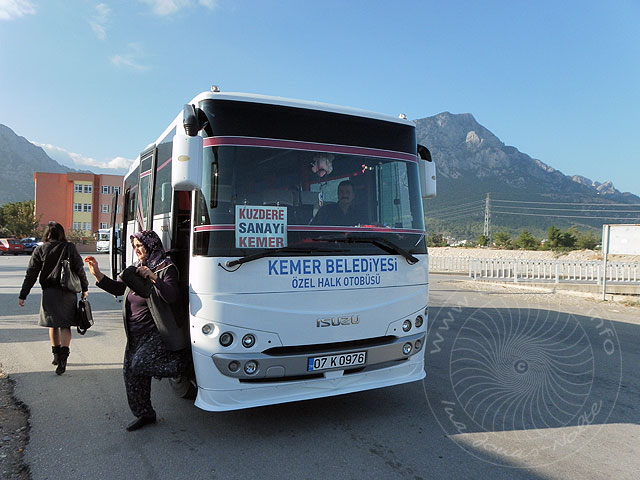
(58, 306)
(157, 337)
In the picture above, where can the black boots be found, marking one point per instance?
(55, 350)
(141, 422)
(63, 354)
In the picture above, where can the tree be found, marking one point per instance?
(483, 241)
(587, 240)
(559, 240)
(553, 234)
(79, 237)
(436, 240)
(527, 241)
(19, 219)
(502, 239)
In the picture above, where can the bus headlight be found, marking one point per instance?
(418, 344)
(226, 339)
(251, 367)
(406, 349)
(248, 340)
(207, 329)
(406, 326)
(233, 366)
(419, 321)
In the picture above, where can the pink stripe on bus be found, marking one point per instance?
(310, 146)
(313, 228)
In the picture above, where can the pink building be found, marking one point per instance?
(78, 201)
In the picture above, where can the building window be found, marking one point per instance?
(118, 210)
(104, 225)
(77, 188)
(86, 207)
(77, 207)
(104, 208)
(116, 190)
(106, 189)
(86, 226)
(88, 188)
(77, 225)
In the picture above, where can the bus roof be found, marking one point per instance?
(289, 102)
(271, 100)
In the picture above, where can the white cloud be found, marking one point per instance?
(100, 20)
(11, 9)
(78, 161)
(168, 7)
(130, 59)
(210, 4)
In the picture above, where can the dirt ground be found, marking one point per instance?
(574, 255)
(14, 432)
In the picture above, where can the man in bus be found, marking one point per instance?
(342, 213)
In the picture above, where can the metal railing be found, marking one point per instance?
(546, 270)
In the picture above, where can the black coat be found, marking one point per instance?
(46, 261)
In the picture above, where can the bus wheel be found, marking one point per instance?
(183, 387)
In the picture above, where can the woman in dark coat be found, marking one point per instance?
(58, 306)
(157, 335)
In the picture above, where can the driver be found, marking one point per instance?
(342, 213)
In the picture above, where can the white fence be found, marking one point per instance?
(551, 270)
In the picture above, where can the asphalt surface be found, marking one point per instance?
(519, 385)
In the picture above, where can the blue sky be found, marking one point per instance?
(560, 81)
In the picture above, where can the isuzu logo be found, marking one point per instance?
(337, 321)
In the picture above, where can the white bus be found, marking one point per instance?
(104, 240)
(279, 307)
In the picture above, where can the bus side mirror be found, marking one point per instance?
(186, 163)
(427, 169)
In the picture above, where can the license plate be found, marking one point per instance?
(343, 360)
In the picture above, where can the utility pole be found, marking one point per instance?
(487, 218)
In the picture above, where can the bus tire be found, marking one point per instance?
(183, 387)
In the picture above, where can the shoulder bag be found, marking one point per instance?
(69, 280)
(84, 317)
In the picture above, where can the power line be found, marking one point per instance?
(571, 209)
(456, 215)
(468, 210)
(456, 207)
(568, 203)
(565, 216)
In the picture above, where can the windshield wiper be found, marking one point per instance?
(269, 253)
(381, 243)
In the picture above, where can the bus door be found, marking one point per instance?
(144, 204)
(115, 246)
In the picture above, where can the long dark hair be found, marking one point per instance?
(54, 231)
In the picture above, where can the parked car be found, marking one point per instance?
(30, 243)
(11, 245)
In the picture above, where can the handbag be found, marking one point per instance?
(69, 280)
(84, 317)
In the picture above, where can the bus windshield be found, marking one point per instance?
(357, 192)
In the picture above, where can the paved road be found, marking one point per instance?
(519, 386)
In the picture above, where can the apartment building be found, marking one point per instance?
(78, 201)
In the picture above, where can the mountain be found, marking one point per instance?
(19, 159)
(471, 162)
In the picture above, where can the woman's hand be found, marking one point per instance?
(92, 263)
(21, 302)
(146, 272)
(85, 295)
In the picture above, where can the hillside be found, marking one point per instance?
(19, 159)
(471, 162)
